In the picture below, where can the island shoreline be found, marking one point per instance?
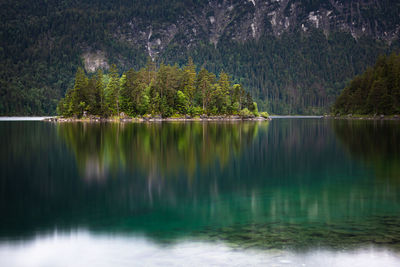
(159, 119)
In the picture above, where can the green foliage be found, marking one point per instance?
(255, 109)
(99, 106)
(144, 103)
(196, 111)
(237, 98)
(264, 114)
(203, 84)
(376, 91)
(189, 79)
(80, 93)
(112, 92)
(182, 102)
(246, 113)
(154, 91)
(297, 72)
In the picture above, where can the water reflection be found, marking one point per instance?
(285, 184)
(158, 149)
(375, 143)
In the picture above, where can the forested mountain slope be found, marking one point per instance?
(294, 55)
(376, 91)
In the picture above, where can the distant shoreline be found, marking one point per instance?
(296, 116)
(364, 117)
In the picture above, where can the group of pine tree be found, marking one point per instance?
(376, 91)
(165, 90)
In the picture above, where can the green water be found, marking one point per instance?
(295, 184)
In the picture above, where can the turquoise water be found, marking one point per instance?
(295, 186)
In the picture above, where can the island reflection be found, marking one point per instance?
(283, 184)
(156, 149)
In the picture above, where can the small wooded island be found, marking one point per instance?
(375, 92)
(163, 92)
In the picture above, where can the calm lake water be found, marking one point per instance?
(290, 192)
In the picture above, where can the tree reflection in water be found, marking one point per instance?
(284, 184)
(375, 143)
(158, 149)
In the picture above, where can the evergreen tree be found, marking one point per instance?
(79, 96)
(203, 88)
(112, 91)
(237, 97)
(249, 102)
(224, 87)
(182, 103)
(376, 91)
(99, 95)
(144, 105)
(122, 87)
(125, 97)
(160, 92)
(189, 80)
(91, 104)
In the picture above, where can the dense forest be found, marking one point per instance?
(376, 91)
(166, 91)
(297, 72)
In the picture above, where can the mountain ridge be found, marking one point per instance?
(294, 55)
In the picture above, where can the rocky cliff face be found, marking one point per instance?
(249, 20)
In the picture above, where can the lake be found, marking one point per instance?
(289, 192)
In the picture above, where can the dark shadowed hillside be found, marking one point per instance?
(376, 91)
